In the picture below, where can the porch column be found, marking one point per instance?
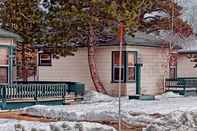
(138, 79)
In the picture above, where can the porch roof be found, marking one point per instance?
(7, 34)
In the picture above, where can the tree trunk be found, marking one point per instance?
(91, 60)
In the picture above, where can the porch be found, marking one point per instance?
(22, 94)
(186, 86)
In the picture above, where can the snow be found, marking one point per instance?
(94, 97)
(168, 95)
(165, 109)
(11, 125)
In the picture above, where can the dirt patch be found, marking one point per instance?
(18, 116)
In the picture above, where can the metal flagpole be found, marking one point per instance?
(121, 30)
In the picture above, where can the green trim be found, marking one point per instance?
(126, 74)
(10, 61)
(7, 46)
(138, 79)
(125, 53)
(11, 64)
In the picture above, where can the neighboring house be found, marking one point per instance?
(7, 45)
(145, 49)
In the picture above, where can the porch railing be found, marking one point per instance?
(22, 91)
(181, 84)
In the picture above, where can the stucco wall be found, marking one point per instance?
(185, 67)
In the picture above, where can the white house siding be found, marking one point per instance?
(76, 68)
(70, 68)
(185, 67)
(154, 62)
(7, 42)
(104, 68)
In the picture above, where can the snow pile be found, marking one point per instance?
(93, 97)
(175, 121)
(168, 95)
(14, 125)
(135, 112)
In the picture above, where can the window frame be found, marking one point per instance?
(125, 67)
(7, 65)
(134, 66)
(39, 59)
(173, 67)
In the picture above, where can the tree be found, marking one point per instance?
(171, 19)
(91, 18)
(73, 23)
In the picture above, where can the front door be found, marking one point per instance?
(4, 65)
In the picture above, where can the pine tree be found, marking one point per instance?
(67, 24)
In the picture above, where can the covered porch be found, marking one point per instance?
(185, 81)
(17, 94)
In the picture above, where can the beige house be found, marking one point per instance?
(157, 66)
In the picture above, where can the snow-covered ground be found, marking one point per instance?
(15, 125)
(167, 108)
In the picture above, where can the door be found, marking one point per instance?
(4, 65)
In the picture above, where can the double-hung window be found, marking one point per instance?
(45, 59)
(116, 67)
(127, 66)
(4, 65)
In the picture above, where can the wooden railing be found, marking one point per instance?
(181, 84)
(22, 91)
(21, 94)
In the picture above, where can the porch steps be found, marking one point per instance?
(141, 97)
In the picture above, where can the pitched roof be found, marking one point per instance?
(140, 39)
(8, 34)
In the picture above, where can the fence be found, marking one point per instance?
(39, 90)
(182, 85)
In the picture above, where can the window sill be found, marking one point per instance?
(116, 82)
(44, 65)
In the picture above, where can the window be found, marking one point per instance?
(3, 74)
(45, 59)
(116, 67)
(127, 66)
(173, 66)
(4, 65)
(131, 66)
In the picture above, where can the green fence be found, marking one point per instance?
(37, 91)
(182, 85)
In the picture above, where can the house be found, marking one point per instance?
(144, 48)
(7, 45)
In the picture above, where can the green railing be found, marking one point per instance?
(39, 92)
(21, 91)
(181, 84)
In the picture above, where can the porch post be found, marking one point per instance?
(138, 79)
(10, 68)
